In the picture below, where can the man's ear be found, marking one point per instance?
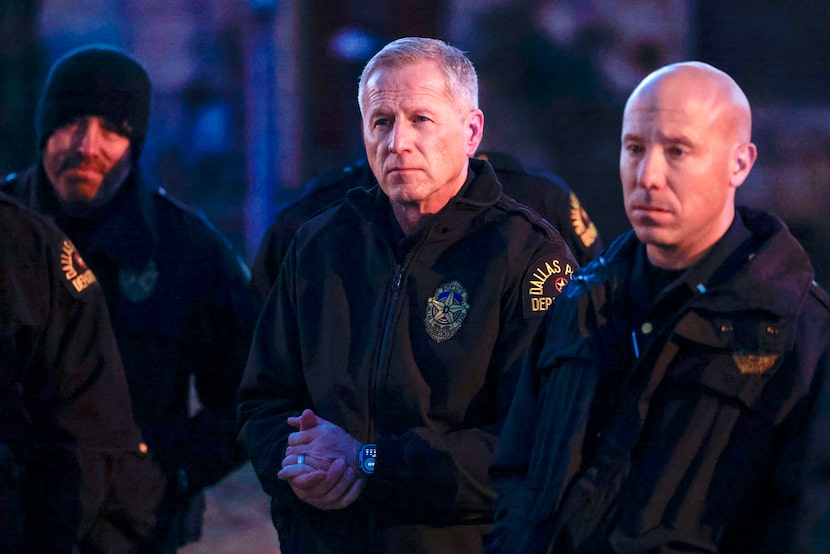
(475, 131)
(744, 158)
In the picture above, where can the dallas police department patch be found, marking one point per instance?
(137, 286)
(446, 310)
(582, 224)
(74, 268)
(542, 283)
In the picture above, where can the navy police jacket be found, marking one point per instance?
(412, 343)
(674, 423)
(64, 404)
(180, 308)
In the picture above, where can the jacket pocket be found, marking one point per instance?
(738, 358)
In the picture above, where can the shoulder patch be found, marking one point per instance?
(543, 281)
(581, 223)
(446, 310)
(74, 268)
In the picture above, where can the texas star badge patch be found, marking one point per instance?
(74, 268)
(137, 286)
(446, 310)
(542, 283)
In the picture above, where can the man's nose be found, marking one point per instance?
(400, 137)
(88, 137)
(651, 171)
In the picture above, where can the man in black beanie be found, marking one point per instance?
(95, 85)
(177, 292)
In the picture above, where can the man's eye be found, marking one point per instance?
(422, 119)
(73, 124)
(381, 122)
(635, 149)
(108, 127)
(676, 151)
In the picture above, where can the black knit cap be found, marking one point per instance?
(96, 80)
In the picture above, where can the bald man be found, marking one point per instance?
(664, 405)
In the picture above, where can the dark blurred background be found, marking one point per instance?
(254, 97)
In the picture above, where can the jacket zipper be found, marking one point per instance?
(395, 290)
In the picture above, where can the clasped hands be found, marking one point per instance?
(328, 476)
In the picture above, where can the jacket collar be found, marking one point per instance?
(123, 230)
(778, 274)
(481, 190)
(758, 264)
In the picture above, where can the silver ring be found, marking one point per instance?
(301, 458)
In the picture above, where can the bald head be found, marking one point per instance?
(685, 150)
(700, 85)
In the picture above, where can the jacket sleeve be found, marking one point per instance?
(813, 531)
(78, 398)
(539, 448)
(271, 390)
(269, 255)
(795, 509)
(221, 335)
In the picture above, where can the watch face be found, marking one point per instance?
(368, 455)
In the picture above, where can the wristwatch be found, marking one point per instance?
(366, 458)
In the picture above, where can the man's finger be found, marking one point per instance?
(299, 438)
(347, 491)
(321, 490)
(303, 476)
(353, 493)
(330, 500)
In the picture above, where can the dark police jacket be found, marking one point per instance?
(181, 309)
(672, 424)
(411, 343)
(64, 404)
(546, 194)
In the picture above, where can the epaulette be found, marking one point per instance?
(514, 206)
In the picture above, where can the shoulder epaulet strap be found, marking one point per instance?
(201, 218)
(355, 174)
(511, 205)
(193, 212)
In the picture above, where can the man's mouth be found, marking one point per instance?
(81, 173)
(82, 165)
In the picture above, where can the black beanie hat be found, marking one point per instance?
(96, 80)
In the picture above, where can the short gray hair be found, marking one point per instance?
(462, 80)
